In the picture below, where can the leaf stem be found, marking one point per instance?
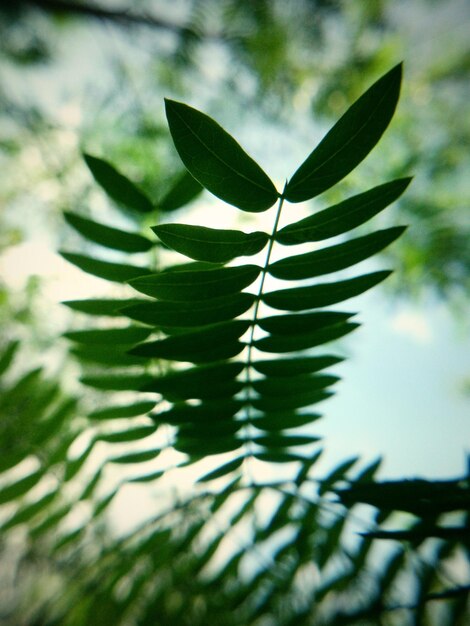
(264, 271)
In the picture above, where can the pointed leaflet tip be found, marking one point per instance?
(217, 161)
(349, 141)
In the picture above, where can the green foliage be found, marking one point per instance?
(195, 353)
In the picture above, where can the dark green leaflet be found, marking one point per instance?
(117, 186)
(210, 244)
(191, 314)
(349, 141)
(122, 411)
(301, 298)
(342, 217)
(293, 366)
(283, 420)
(304, 341)
(182, 285)
(335, 257)
(217, 161)
(104, 336)
(97, 306)
(291, 385)
(117, 382)
(108, 237)
(298, 323)
(208, 411)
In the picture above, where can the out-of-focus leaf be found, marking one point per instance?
(122, 411)
(338, 473)
(223, 470)
(105, 336)
(217, 161)
(20, 487)
(278, 457)
(7, 355)
(334, 258)
(283, 440)
(115, 272)
(131, 434)
(181, 286)
(210, 244)
(136, 457)
(107, 236)
(117, 382)
(349, 141)
(109, 307)
(292, 385)
(117, 186)
(208, 411)
(301, 298)
(191, 314)
(26, 513)
(296, 401)
(183, 191)
(342, 217)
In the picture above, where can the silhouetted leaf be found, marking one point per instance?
(191, 314)
(338, 473)
(130, 434)
(122, 411)
(181, 286)
(117, 186)
(183, 191)
(107, 236)
(116, 272)
(273, 441)
(349, 141)
(109, 336)
(117, 382)
(334, 258)
(210, 244)
(294, 366)
(292, 401)
(301, 298)
(223, 470)
(217, 161)
(202, 345)
(299, 323)
(283, 420)
(342, 217)
(136, 457)
(292, 385)
(109, 307)
(208, 411)
(303, 341)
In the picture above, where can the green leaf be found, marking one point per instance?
(131, 434)
(20, 487)
(278, 457)
(299, 323)
(202, 345)
(191, 314)
(117, 382)
(108, 237)
(109, 307)
(223, 470)
(116, 272)
(146, 478)
(216, 446)
(284, 441)
(7, 355)
(300, 298)
(291, 401)
(208, 411)
(349, 141)
(210, 381)
(338, 473)
(25, 513)
(292, 385)
(136, 457)
(304, 341)
(283, 420)
(217, 161)
(109, 336)
(181, 286)
(117, 186)
(113, 356)
(335, 257)
(183, 191)
(294, 366)
(342, 217)
(122, 411)
(210, 244)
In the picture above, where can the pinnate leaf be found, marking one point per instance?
(115, 272)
